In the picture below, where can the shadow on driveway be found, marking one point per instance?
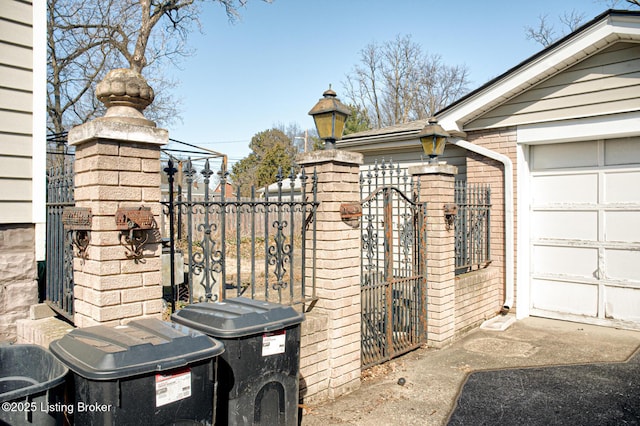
(588, 394)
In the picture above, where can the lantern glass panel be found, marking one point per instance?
(324, 125)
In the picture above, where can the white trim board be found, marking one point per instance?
(591, 128)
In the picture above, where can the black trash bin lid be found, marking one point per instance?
(237, 317)
(141, 346)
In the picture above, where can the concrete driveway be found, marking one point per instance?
(433, 378)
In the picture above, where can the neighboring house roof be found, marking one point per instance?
(606, 29)
(228, 189)
(285, 187)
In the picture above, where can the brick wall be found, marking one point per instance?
(18, 276)
(478, 298)
(485, 170)
(109, 287)
(314, 358)
(338, 265)
(437, 189)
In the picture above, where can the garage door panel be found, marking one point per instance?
(622, 187)
(563, 189)
(577, 262)
(566, 225)
(622, 151)
(569, 298)
(585, 231)
(623, 264)
(623, 303)
(554, 156)
(623, 226)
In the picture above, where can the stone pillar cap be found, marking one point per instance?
(432, 169)
(117, 131)
(330, 155)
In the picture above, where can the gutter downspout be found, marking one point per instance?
(508, 213)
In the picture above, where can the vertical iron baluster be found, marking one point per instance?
(292, 179)
(253, 241)
(238, 243)
(488, 256)
(267, 210)
(170, 171)
(189, 177)
(315, 227)
(303, 236)
(278, 234)
(223, 233)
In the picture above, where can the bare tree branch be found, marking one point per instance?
(87, 38)
(397, 83)
(544, 33)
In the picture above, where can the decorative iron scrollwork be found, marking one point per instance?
(77, 221)
(450, 212)
(135, 225)
(279, 254)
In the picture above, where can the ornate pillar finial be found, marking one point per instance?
(126, 94)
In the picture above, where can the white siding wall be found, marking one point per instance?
(16, 111)
(606, 83)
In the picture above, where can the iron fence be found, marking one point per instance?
(472, 226)
(59, 248)
(262, 248)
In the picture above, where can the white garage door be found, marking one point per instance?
(585, 231)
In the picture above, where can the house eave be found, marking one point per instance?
(604, 30)
(406, 139)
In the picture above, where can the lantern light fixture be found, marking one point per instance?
(330, 115)
(433, 138)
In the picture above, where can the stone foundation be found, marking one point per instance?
(18, 276)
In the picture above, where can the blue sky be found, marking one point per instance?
(273, 64)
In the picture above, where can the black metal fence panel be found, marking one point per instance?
(59, 247)
(257, 247)
(472, 226)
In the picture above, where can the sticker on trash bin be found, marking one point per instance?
(273, 343)
(173, 387)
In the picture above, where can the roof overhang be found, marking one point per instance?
(610, 27)
(392, 137)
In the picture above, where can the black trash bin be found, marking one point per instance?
(258, 372)
(31, 386)
(147, 372)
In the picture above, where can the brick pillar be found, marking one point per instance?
(118, 165)
(437, 189)
(338, 264)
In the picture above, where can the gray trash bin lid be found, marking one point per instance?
(237, 317)
(139, 347)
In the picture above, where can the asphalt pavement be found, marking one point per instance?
(537, 371)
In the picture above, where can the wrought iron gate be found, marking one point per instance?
(59, 249)
(393, 289)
